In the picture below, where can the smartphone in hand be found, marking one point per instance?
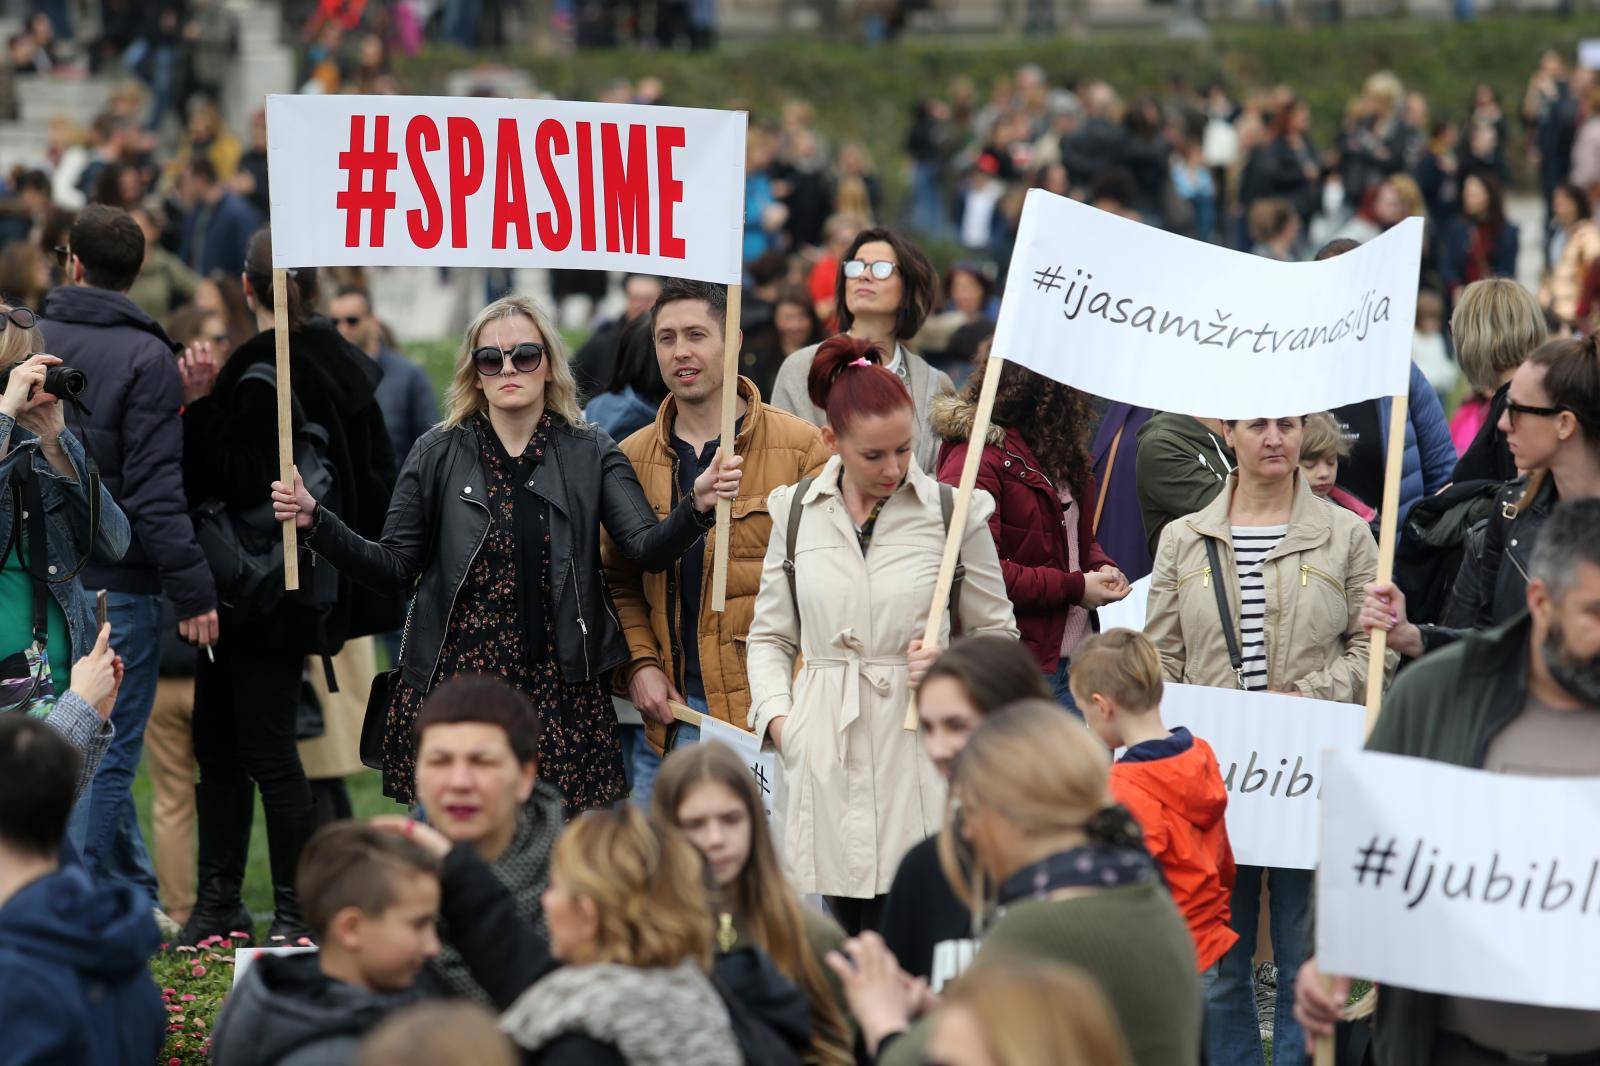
(99, 611)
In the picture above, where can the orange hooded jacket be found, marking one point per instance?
(1179, 801)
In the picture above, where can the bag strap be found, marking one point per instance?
(1105, 481)
(947, 506)
(795, 510)
(27, 507)
(267, 373)
(1235, 659)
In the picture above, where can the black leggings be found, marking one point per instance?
(857, 915)
(244, 724)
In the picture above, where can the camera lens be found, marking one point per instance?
(65, 381)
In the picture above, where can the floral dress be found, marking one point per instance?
(580, 751)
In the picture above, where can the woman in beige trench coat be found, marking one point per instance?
(866, 558)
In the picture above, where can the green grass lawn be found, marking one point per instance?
(365, 797)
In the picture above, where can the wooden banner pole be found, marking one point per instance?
(730, 412)
(1388, 530)
(684, 713)
(958, 517)
(280, 335)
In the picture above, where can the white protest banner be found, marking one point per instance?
(452, 181)
(1589, 53)
(1460, 882)
(1129, 312)
(763, 764)
(1270, 748)
(1128, 612)
(244, 958)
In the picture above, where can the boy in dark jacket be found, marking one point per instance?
(75, 987)
(372, 899)
(1169, 780)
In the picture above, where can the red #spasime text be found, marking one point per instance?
(628, 184)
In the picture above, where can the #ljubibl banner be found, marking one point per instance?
(1270, 748)
(450, 181)
(1129, 312)
(1459, 881)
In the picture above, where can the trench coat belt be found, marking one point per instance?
(874, 670)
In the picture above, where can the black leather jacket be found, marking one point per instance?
(1492, 585)
(439, 516)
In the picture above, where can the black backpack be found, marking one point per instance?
(245, 548)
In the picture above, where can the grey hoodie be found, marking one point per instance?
(286, 1012)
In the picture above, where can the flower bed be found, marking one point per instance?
(193, 982)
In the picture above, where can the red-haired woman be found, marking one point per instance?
(865, 557)
(1035, 464)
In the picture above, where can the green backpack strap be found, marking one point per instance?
(796, 497)
(947, 506)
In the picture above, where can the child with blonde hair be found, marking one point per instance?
(1322, 445)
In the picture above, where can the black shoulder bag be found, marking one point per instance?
(1235, 658)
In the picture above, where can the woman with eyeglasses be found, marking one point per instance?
(884, 291)
(248, 686)
(495, 524)
(1551, 423)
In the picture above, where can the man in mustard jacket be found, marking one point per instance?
(684, 651)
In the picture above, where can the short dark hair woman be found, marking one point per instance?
(496, 523)
(884, 291)
(1036, 465)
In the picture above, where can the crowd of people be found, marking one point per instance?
(536, 545)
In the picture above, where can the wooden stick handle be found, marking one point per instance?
(1388, 528)
(280, 336)
(958, 517)
(730, 411)
(684, 713)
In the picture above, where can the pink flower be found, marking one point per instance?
(198, 971)
(169, 991)
(239, 935)
(174, 1062)
(173, 1008)
(226, 944)
(187, 997)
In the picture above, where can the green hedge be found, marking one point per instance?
(864, 93)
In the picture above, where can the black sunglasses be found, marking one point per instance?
(20, 317)
(881, 268)
(491, 361)
(348, 320)
(1513, 409)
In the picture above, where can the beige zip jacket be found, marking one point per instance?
(1315, 583)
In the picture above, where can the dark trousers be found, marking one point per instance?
(245, 706)
(857, 915)
(244, 724)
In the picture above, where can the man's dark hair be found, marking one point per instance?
(675, 289)
(475, 698)
(355, 290)
(919, 283)
(349, 864)
(38, 775)
(37, 180)
(200, 167)
(109, 244)
(1336, 247)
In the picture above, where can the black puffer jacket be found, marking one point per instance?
(439, 517)
(134, 435)
(231, 444)
(1492, 585)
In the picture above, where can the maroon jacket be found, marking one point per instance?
(1027, 528)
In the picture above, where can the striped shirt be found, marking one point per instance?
(1251, 545)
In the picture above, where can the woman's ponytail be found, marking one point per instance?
(302, 281)
(848, 380)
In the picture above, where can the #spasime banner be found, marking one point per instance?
(1460, 882)
(448, 181)
(1132, 313)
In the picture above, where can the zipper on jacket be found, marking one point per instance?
(583, 627)
(1204, 574)
(459, 584)
(1306, 570)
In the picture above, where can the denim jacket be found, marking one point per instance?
(66, 507)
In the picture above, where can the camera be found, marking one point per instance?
(63, 382)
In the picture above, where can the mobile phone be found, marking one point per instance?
(100, 610)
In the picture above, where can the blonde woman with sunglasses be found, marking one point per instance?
(495, 527)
